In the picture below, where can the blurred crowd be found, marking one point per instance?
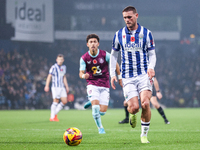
(23, 72)
(22, 80)
(178, 73)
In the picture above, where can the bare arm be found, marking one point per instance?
(48, 80)
(66, 83)
(156, 85)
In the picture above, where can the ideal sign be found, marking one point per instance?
(32, 20)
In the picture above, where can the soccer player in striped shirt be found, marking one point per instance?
(138, 60)
(59, 86)
(94, 66)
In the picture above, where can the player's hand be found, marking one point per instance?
(87, 76)
(159, 95)
(151, 73)
(114, 78)
(46, 89)
(120, 82)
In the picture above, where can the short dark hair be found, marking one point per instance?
(90, 36)
(130, 8)
(60, 55)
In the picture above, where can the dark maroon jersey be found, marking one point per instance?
(97, 68)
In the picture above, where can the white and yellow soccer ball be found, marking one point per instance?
(72, 136)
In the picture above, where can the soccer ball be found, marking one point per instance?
(72, 136)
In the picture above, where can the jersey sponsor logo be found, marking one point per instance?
(133, 46)
(101, 60)
(89, 62)
(96, 71)
(94, 61)
(61, 69)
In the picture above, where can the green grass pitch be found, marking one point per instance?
(32, 130)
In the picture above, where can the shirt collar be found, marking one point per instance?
(95, 55)
(58, 65)
(137, 31)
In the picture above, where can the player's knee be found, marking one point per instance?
(133, 109)
(156, 105)
(103, 108)
(145, 104)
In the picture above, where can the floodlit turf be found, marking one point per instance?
(32, 130)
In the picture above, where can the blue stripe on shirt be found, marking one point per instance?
(57, 77)
(145, 52)
(113, 42)
(130, 64)
(137, 53)
(128, 38)
(151, 39)
(52, 73)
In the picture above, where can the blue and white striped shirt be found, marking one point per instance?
(134, 46)
(57, 73)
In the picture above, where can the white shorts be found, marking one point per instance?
(98, 93)
(133, 86)
(58, 92)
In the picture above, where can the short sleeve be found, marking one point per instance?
(115, 43)
(82, 64)
(51, 70)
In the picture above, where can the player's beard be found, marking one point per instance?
(131, 26)
(93, 50)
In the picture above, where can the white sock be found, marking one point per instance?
(144, 128)
(59, 107)
(53, 109)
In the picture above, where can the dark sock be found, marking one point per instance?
(161, 112)
(126, 111)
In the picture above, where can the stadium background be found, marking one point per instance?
(24, 64)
